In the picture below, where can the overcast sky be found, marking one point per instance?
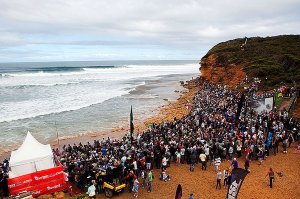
(62, 30)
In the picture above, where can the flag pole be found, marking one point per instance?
(57, 136)
(131, 125)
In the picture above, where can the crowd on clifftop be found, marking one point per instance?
(216, 129)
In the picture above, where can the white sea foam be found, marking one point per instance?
(32, 94)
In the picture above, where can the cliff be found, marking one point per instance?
(275, 60)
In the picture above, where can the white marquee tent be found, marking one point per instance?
(32, 156)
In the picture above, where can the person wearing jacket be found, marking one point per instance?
(271, 175)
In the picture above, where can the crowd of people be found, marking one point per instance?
(216, 129)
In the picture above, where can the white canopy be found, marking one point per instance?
(32, 156)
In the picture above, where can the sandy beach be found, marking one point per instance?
(202, 183)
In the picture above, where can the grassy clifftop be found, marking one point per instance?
(275, 59)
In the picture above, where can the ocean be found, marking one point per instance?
(73, 98)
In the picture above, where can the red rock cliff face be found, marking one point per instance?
(221, 74)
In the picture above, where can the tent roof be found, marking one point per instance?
(30, 151)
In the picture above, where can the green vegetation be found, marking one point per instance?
(278, 99)
(80, 197)
(276, 59)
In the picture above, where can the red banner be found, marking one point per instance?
(39, 183)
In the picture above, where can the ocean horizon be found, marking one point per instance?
(75, 98)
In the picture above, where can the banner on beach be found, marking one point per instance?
(237, 177)
(39, 183)
(263, 104)
(269, 139)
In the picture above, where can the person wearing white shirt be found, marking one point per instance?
(217, 163)
(135, 167)
(219, 177)
(203, 160)
(164, 163)
(91, 190)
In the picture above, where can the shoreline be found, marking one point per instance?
(178, 108)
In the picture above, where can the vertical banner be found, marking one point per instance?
(269, 139)
(237, 177)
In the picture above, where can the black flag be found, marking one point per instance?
(131, 125)
(240, 105)
(237, 177)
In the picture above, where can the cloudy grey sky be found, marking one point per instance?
(57, 30)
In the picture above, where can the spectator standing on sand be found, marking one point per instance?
(191, 196)
(178, 157)
(247, 164)
(203, 160)
(193, 161)
(290, 139)
(219, 178)
(275, 144)
(284, 144)
(144, 177)
(178, 194)
(239, 149)
(229, 178)
(225, 173)
(217, 163)
(182, 153)
(164, 163)
(206, 152)
(235, 163)
(149, 180)
(130, 179)
(271, 176)
(230, 152)
(135, 188)
(92, 190)
(260, 157)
